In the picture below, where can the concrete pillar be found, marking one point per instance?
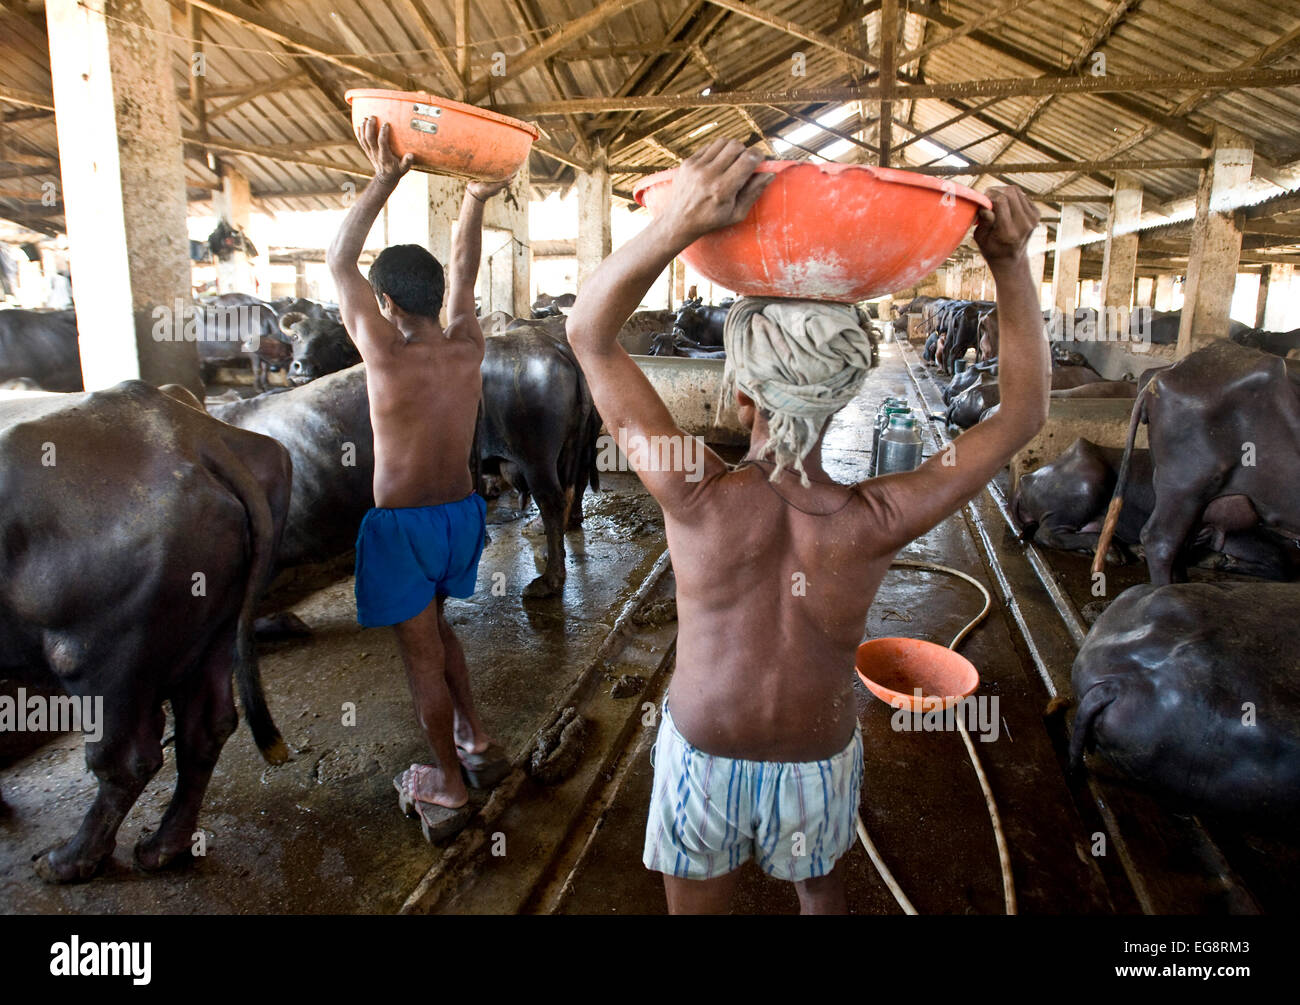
(119, 136)
(1065, 262)
(1164, 293)
(1216, 242)
(512, 266)
(1146, 291)
(1261, 296)
(1037, 251)
(234, 203)
(300, 287)
(595, 236)
(1280, 314)
(1119, 259)
(422, 210)
(677, 283)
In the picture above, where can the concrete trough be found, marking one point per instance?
(690, 388)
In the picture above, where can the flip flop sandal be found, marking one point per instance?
(437, 823)
(486, 768)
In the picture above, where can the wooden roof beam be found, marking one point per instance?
(788, 27)
(579, 27)
(295, 38)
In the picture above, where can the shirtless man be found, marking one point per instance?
(423, 540)
(759, 750)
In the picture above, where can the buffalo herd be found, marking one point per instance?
(1189, 689)
(141, 530)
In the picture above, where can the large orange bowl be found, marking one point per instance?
(445, 136)
(840, 232)
(895, 669)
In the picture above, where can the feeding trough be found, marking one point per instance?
(838, 232)
(445, 136)
(895, 669)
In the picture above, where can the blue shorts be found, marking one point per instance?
(710, 814)
(408, 556)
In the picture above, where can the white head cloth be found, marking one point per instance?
(801, 361)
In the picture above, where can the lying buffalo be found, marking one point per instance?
(1223, 422)
(40, 346)
(1193, 691)
(138, 534)
(1063, 505)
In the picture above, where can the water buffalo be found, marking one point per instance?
(539, 434)
(972, 404)
(967, 377)
(1193, 691)
(962, 332)
(1223, 422)
(325, 426)
(1275, 343)
(319, 346)
(1063, 505)
(136, 536)
(703, 323)
(538, 431)
(547, 306)
(40, 346)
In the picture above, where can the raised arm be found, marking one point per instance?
(466, 252)
(916, 501)
(714, 187)
(357, 305)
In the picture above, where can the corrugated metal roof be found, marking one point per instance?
(683, 46)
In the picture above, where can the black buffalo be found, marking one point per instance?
(1224, 422)
(538, 433)
(136, 536)
(320, 345)
(1193, 691)
(42, 347)
(703, 323)
(1063, 505)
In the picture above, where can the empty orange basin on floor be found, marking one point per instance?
(893, 669)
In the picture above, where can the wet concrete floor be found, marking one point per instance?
(322, 833)
(921, 801)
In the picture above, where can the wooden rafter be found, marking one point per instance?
(806, 34)
(437, 42)
(295, 38)
(1002, 87)
(577, 28)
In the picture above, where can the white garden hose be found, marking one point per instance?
(1004, 857)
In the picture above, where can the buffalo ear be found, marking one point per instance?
(287, 321)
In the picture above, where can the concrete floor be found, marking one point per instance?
(322, 833)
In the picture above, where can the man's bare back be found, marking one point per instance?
(764, 659)
(424, 396)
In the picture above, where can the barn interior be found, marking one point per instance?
(1160, 142)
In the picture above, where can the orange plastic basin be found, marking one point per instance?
(893, 669)
(840, 232)
(445, 136)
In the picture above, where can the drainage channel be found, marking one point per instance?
(1143, 835)
(537, 823)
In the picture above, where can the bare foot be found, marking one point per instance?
(426, 783)
(468, 740)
